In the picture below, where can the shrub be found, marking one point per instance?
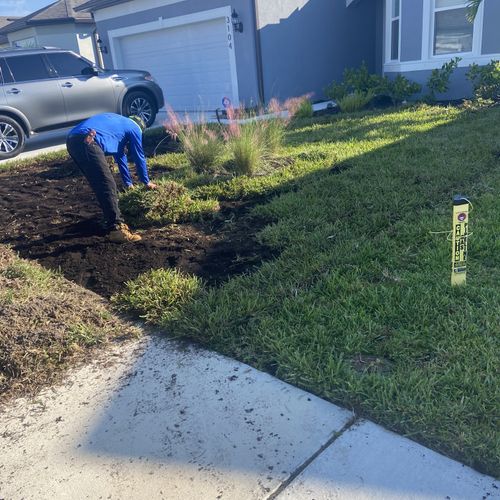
(401, 89)
(358, 80)
(201, 145)
(355, 101)
(299, 107)
(247, 144)
(158, 295)
(253, 142)
(485, 80)
(361, 82)
(169, 203)
(439, 80)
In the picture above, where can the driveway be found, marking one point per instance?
(55, 140)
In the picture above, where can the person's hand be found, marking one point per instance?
(151, 185)
(130, 186)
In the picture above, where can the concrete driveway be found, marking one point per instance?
(55, 140)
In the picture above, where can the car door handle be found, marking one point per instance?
(13, 91)
(67, 85)
(118, 78)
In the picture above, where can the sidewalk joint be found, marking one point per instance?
(313, 457)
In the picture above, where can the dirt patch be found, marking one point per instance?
(48, 213)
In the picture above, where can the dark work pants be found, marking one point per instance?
(92, 162)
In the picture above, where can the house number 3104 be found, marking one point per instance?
(229, 32)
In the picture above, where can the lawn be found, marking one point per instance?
(358, 306)
(330, 268)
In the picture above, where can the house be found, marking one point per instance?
(202, 51)
(4, 40)
(56, 25)
(206, 52)
(420, 35)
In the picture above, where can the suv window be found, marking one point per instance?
(6, 76)
(27, 68)
(67, 64)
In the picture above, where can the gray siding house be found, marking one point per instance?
(204, 52)
(420, 35)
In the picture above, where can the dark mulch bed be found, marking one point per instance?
(48, 213)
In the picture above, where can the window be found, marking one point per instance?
(67, 64)
(453, 33)
(6, 76)
(28, 68)
(25, 43)
(395, 22)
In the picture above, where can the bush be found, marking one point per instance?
(201, 145)
(158, 295)
(253, 142)
(439, 80)
(355, 101)
(362, 82)
(401, 89)
(169, 203)
(299, 107)
(485, 80)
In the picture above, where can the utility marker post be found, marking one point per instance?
(460, 234)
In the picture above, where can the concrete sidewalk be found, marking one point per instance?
(153, 419)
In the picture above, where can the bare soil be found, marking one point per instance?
(48, 213)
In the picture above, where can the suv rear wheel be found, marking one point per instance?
(140, 104)
(12, 137)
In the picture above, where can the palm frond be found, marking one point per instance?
(472, 8)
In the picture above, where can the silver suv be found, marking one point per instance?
(43, 89)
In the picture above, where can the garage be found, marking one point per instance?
(191, 57)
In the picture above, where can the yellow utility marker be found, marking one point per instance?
(460, 233)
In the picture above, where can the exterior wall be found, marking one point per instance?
(412, 16)
(306, 44)
(416, 59)
(460, 87)
(22, 35)
(85, 41)
(244, 43)
(491, 28)
(66, 36)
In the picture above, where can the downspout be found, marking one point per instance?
(258, 53)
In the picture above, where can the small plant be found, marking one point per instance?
(355, 101)
(158, 295)
(299, 107)
(439, 80)
(485, 80)
(359, 82)
(356, 80)
(169, 203)
(400, 89)
(253, 142)
(201, 145)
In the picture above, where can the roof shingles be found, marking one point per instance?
(59, 11)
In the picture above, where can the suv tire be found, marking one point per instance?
(12, 137)
(140, 104)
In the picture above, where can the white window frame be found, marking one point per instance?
(428, 60)
(477, 31)
(389, 19)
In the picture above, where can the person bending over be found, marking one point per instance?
(89, 143)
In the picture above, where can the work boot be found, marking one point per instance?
(122, 234)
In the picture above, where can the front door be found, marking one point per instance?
(30, 88)
(84, 94)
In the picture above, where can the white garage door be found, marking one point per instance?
(191, 63)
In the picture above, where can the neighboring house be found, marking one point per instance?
(421, 35)
(56, 25)
(4, 21)
(200, 54)
(249, 51)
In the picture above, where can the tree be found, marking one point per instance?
(473, 6)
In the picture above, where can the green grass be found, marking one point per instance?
(46, 325)
(358, 308)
